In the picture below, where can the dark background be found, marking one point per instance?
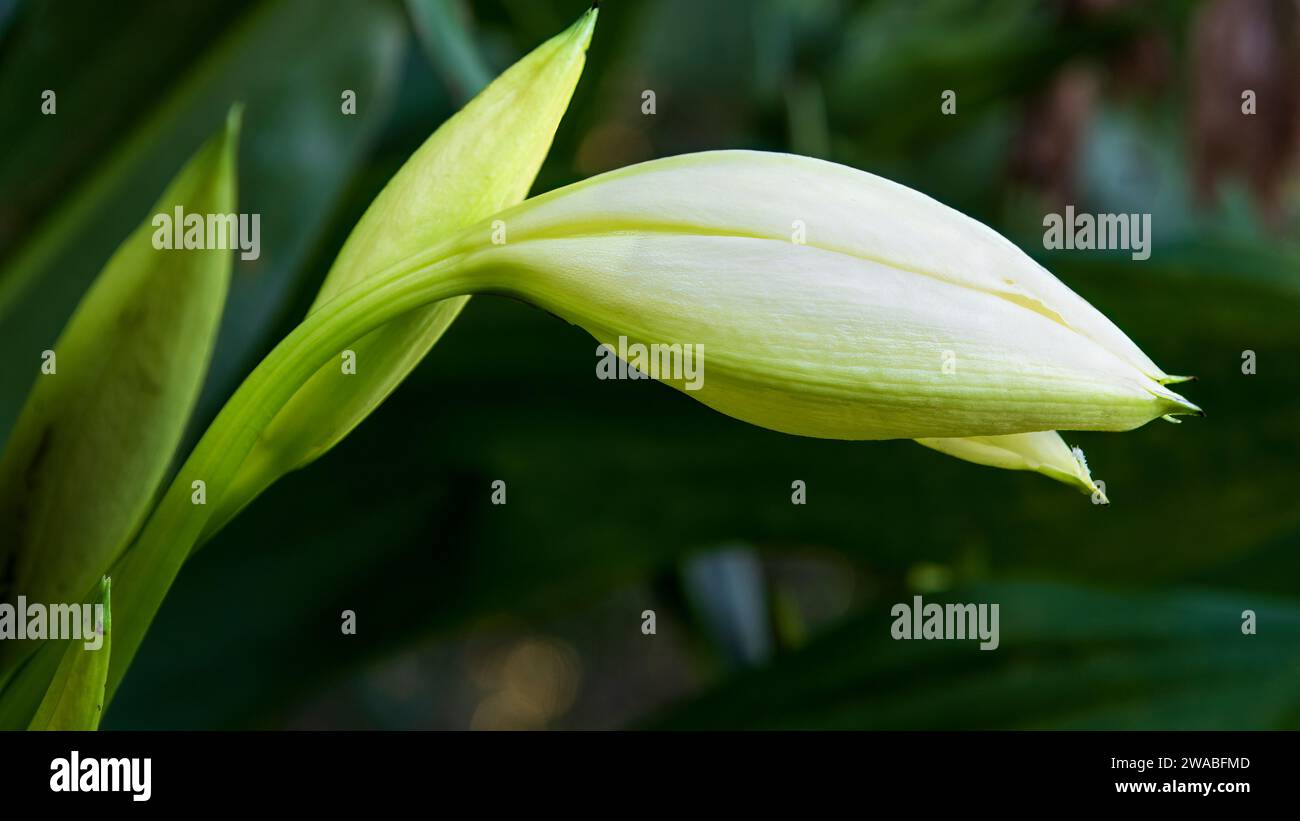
(626, 495)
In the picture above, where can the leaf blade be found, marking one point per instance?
(298, 155)
(98, 431)
(75, 699)
(146, 572)
(479, 162)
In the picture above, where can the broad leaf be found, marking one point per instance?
(112, 397)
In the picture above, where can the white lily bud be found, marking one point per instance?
(831, 302)
(1044, 452)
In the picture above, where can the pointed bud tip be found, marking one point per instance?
(1083, 477)
(585, 24)
(579, 34)
(1175, 404)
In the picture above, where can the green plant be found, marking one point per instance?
(582, 252)
(481, 160)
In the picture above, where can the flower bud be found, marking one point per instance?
(832, 303)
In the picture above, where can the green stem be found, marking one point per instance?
(145, 573)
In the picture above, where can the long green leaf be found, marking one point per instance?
(75, 700)
(396, 224)
(112, 397)
(429, 199)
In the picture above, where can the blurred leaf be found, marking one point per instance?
(289, 63)
(728, 593)
(100, 427)
(75, 700)
(106, 63)
(7, 9)
(1129, 164)
(444, 33)
(1069, 658)
(900, 57)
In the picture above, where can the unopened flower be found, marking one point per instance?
(833, 303)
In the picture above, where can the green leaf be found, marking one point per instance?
(480, 161)
(75, 700)
(987, 52)
(397, 225)
(106, 63)
(287, 61)
(112, 397)
(155, 567)
(445, 35)
(1069, 658)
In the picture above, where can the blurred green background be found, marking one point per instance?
(626, 496)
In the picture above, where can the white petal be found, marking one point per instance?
(1043, 452)
(761, 194)
(822, 343)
